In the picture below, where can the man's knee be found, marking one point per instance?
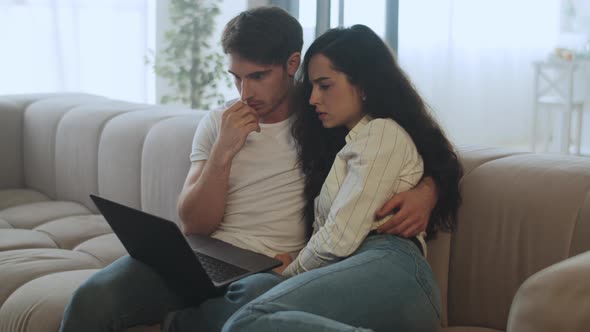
(93, 294)
(95, 302)
(90, 305)
(251, 287)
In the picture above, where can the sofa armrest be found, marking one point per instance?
(11, 150)
(554, 299)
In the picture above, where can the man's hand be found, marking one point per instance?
(237, 122)
(411, 210)
(286, 259)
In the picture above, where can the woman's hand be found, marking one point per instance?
(286, 259)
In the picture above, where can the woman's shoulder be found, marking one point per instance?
(386, 123)
(384, 127)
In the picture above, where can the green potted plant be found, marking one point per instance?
(192, 69)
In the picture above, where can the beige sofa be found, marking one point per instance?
(508, 266)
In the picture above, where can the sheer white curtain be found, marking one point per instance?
(77, 45)
(472, 61)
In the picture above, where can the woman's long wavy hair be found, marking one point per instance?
(369, 64)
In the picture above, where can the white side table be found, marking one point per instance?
(554, 91)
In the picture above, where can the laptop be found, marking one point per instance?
(195, 267)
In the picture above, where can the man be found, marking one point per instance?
(243, 187)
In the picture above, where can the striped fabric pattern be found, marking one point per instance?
(378, 160)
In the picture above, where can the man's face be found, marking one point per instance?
(265, 88)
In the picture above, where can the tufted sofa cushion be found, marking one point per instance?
(60, 149)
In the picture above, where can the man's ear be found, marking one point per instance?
(293, 63)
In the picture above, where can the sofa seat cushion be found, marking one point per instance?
(39, 304)
(69, 232)
(14, 197)
(105, 248)
(4, 224)
(31, 215)
(11, 239)
(17, 267)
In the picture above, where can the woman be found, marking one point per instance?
(363, 134)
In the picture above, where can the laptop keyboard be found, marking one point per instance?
(219, 271)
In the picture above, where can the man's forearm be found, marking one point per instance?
(202, 203)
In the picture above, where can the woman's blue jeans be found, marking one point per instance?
(386, 285)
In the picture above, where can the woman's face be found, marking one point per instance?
(336, 101)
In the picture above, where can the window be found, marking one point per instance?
(77, 45)
(351, 12)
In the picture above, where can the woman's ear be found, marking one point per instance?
(293, 63)
(361, 93)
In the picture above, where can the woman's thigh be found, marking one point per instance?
(386, 285)
(213, 313)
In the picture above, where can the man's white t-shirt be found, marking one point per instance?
(264, 207)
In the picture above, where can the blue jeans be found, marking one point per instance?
(128, 293)
(386, 285)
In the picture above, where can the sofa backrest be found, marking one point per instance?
(12, 110)
(72, 145)
(521, 212)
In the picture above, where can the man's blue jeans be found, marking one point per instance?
(128, 293)
(386, 285)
